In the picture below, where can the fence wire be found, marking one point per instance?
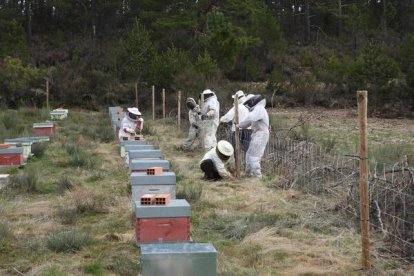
(312, 168)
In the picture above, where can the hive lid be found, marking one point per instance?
(132, 142)
(141, 178)
(18, 140)
(161, 250)
(176, 208)
(139, 164)
(138, 147)
(11, 150)
(42, 125)
(150, 153)
(3, 176)
(38, 138)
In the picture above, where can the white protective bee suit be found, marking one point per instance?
(258, 119)
(128, 125)
(195, 123)
(216, 168)
(210, 116)
(229, 117)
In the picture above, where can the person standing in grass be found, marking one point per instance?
(218, 162)
(210, 117)
(194, 114)
(230, 117)
(131, 123)
(258, 119)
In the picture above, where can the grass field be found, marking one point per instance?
(76, 219)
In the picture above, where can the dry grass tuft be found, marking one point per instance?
(89, 200)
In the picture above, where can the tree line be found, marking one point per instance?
(298, 51)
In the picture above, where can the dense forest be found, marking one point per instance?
(298, 52)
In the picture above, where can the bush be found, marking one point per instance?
(64, 184)
(81, 160)
(67, 215)
(67, 240)
(191, 192)
(24, 182)
(5, 233)
(125, 266)
(39, 149)
(87, 200)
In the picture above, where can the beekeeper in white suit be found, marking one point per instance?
(194, 114)
(258, 119)
(210, 117)
(218, 162)
(131, 123)
(230, 117)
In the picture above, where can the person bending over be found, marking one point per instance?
(217, 162)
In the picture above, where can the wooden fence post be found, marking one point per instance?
(237, 136)
(136, 94)
(47, 94)
(362, 97)
(153, 102)
(179, 110)
(163, 103)
(202, 122)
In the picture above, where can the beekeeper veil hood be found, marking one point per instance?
(191, 103)
(208, 93)
(133, 114)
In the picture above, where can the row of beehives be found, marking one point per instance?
(15, 152)
(162, 226)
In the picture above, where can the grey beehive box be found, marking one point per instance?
(128, 148)
(176, 208)
(123, 143)
(142, 154)
(4, 180)
(154, 153)
(142, 184)
(179, 259)
(143, 164)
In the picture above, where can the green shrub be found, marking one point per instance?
(10, 119)
(88, 200)
(124, 265)
(191, 192)
(94, 268)
(24, 182)
(5, 233)
(67, 240)
(64, 184)
(81, 160)
(39, 149)
(67, 215)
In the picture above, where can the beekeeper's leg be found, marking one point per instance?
(210, 170)
(192, 135)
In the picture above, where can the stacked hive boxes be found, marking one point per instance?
(162, 224)
(59, 114)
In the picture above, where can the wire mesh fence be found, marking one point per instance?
(316, 169)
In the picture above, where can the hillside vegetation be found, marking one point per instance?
(302, 52)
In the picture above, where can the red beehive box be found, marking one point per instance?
(44, 129)
(4, 146)
(11, 157)
(162, 223)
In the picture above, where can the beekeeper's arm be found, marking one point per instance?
(228, 117)
(221, 168)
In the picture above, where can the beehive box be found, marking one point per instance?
(39, 139)
(178, 259)
(141, 165)
(11, 157)
(24, 143)
(44, 129)
(142, 154)
(142, 184)
(4, 180)
(128, 148)
(161, 223)
(58, 114)
(114, 109)
(123, 143)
